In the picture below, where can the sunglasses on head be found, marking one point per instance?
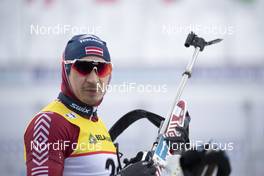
(84, 67)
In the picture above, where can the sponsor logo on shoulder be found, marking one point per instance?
(71, 115)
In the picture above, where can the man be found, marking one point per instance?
(67, 137)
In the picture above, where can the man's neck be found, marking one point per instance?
(88, 112)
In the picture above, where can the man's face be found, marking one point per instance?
(86, 87)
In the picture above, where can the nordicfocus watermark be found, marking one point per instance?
(129, 87)
(63, 145)
(214, 29)
(63, 29)
(201, 145)
(93, 143)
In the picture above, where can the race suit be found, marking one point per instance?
(59, 141)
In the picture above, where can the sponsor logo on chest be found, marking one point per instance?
(94, 138)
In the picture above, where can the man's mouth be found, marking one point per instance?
(92, 90)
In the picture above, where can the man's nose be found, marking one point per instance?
(92, 77)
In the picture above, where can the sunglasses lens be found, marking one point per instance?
(84, 68)
(104, 69)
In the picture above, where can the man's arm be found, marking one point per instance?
(43, 156)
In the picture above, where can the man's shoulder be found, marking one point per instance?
(48, 117)
(51, 124)
(49, 128)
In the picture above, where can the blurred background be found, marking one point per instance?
(145, 38)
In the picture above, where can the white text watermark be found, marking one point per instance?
(129, 87)
(63, 29)
(170, 29)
